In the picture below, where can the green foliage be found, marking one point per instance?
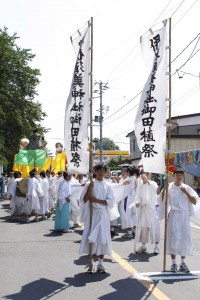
(107, 144)
(19, 113)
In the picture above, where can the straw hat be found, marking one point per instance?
(23, 185)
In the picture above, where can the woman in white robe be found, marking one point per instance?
(102, 197)
(181, 199)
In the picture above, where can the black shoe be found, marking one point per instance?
(113, 233)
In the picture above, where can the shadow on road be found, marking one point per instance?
(53, 233)
(36, 290)
(172, 281)
(141, 257)
(127, 288)
(81, 279)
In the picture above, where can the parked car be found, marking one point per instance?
(116, 172)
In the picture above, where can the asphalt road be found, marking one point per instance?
(36, 263)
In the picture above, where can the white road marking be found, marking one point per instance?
(152, 276)
(193, 225)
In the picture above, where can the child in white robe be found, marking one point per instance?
(181, 199)
(101, 195)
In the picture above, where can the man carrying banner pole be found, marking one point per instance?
(78, 110)
(150, 127)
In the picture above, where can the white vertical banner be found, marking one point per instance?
(150, 128)
(77, 109)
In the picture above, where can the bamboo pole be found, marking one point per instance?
(91, 134)
(168, 151)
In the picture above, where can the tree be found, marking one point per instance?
(107, 144)
(19, 113)
(115, 162)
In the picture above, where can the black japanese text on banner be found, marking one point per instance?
(150, 129)
(77, 110)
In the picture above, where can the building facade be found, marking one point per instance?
(185, 136)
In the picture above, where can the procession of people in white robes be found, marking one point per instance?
(130, 202)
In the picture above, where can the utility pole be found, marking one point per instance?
(102, 87)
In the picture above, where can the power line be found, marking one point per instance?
(123, 114)
(190, 73)
(190, 57)
(185, 48)
(178, 8)
(161, 13)
(185, 14)
(123, 106)
(138, 31)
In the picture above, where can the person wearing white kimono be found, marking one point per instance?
(114, 184)
(33, 194)
(128, 210)
(10, 179)
(148, 226)
(57, 180)
(101, 195)
(44, 201)
(12, 191)
(62, 207)
(181, 201)
(51, 191)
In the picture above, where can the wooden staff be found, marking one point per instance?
(91, 134)
(168, 152)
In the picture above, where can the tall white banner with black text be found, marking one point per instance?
(150, 129)
(77, 109)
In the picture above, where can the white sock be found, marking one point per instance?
(182, 261)
(143, 245)
(174, 261)
(129, 231)
(100, 261)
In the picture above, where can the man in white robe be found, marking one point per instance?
(62, 207)
(12, 192)
(33, 194)
(148, 226)
(128, 210)
(181, 201)
(44, 201)
(10, 179)
(114, 184)
(51, 191)
(101, 195)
